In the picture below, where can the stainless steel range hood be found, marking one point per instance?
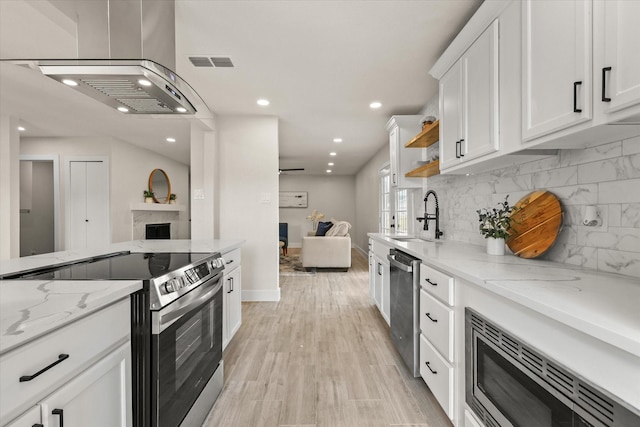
(125, 56)
(131, 86)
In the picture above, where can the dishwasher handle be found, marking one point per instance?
(403, 267)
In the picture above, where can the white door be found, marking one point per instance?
(99, 397)
(621, 65)
(88, 201)
(480, 89)
(556, 65)
(450, 117)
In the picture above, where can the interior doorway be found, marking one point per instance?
(39, 205)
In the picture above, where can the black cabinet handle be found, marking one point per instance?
(575, 97)
(604, 84)
(60, 413)
(431, 318)
(379, 273)
(61, 357)
(37, 425)
(229, 262)
(430, 282)
(428, 366)
(458, 149)
(461, 141)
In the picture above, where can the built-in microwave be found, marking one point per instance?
(510, 383)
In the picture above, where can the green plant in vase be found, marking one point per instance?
(495, 225)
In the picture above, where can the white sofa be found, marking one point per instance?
(326, 251)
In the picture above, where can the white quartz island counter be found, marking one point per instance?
(32, 308)
(605, 306)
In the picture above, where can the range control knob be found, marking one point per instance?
(220, 262)
(170, 286)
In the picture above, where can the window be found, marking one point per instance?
(402, 211)
(395, 206)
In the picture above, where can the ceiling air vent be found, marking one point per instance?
(200, 61)
(222, 62)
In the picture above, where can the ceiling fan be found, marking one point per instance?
(289, 170)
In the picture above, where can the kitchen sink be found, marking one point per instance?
(414, 239)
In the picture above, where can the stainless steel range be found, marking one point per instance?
(176, 329)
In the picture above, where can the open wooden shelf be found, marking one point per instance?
(429, 136)
(425, 171)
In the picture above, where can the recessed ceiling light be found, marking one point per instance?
(144, 82)
(70, 82)
(171, 139)
(330, 164)
(21, 128)
(337, 139)
(375, 104)
(333, 153)
(181, 109)
(123, 109)
(328, 170)
(263, 102)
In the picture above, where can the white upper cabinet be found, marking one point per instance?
(618, 54)
(556, 65)
(401, 130)
(469, 103)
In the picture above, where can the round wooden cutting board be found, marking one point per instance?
(535, 224)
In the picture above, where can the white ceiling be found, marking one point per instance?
(320, 64)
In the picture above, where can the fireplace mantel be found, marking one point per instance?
(158, 207)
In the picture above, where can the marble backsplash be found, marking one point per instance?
(607, 176)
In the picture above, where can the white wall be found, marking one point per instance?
(9, 188)
(367, 199)
(332, 195)
(37, 226)
(248, 170)
(130, 167)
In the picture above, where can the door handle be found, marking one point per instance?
(60, 413)
(575, 97)
(604, 84)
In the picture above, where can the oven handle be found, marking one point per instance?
(172, 313)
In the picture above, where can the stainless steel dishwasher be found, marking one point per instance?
(405, 304)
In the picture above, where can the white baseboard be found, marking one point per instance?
(362, 251)
(251, 295)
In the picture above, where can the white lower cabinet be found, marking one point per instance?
(94, 398)
(379, 277)
(82, 371)
(232, 303)
(31, 418)
(438, 374)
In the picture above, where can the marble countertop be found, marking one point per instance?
(32, 308)
(603, 305)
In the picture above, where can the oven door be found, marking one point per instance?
(186, 343)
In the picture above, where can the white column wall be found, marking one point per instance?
(9, 188)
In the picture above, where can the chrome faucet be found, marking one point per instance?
(428, 217)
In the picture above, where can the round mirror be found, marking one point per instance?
(160, 186)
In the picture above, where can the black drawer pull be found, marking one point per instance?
(604, 84)
(30, 377)
(458, 149)
(461, 141)
(430, 282)
(575, 97)
(428, 366)
(60, 412)
(37, 425)
(431, 318)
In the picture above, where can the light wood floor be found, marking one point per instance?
(321, 356)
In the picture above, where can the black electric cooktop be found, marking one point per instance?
(120, 266)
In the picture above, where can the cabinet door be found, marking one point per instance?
(233, 300)
(98, 397)
(480, 96)
(621, 38)
(377, 291)
(386, 292)
(31, 418)
(556, 65)
(450, 116)
(372, 278)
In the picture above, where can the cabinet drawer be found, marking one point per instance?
(437, 284)
(232, 260)
(436, 323)
(381, 250)
(438, 375)
(84, 341)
